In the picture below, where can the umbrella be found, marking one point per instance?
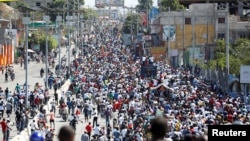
(31, 51)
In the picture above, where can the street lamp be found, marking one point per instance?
(46, 19)
(59, 19)
(26, 22)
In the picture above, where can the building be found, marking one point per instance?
(8, 34)
(193, 32)
(34, 4)
(238, 7)
(190, 30)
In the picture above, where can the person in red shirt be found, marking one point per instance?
(89, 129)
(4, 128)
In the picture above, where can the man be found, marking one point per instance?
(33, 126)
(95, 119)
(4, 128)
(156, 124)
(66, 133)
(85, 136)
(89, 129)
(73, 123)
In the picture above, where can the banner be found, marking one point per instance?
(168, 33)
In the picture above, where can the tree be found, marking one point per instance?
(89, 14)
(62, 4)
(52, 43)
(144, 5)
(131, 23)
(173, 4)
(238, 55)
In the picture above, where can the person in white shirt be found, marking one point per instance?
(97, 130)
(33, 126)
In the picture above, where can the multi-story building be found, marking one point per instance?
(34, 4)
(195, 30)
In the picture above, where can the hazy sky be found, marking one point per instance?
(129, 3)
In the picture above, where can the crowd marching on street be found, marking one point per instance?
(106, 83)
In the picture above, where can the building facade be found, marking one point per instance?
(192, 29)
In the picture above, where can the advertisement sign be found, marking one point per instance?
(168, 33)
(99, 3)
(113, 3)
(245, 74)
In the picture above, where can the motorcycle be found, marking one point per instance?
(12, 76)
(41, 74)
(64, 116)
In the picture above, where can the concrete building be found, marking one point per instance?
(195, 32)
(34, 4)
(201, 24)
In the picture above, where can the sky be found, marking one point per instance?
(128, 3)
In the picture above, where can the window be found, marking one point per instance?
(221, 20)
(243, 36)
(38, 3)
(188, 21)
(221, 35)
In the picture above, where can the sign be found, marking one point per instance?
(245, 74)
(168, 33)
(113, 3)
(99, 3)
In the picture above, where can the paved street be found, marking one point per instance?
(33, 77)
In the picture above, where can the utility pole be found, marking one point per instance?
(183, 38)
(69, 45)
(193, 41)
(168, 39)
(227, 39)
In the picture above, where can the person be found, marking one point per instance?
(52, 118)
(33, 126)
(4, 128)
(41, 72)
(89, 129)
(85, 136)
(8, 130)
(66, 133)
(50, 135)
(37, 136)
(95, 119)
(156, 124)
(73, 123)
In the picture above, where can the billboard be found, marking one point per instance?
(168, 33)
(245, 74)
(113, 3)
(99, 3)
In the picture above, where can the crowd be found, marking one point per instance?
(106, 82)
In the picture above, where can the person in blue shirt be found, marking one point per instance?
(69, 104)
(116, 95)
(116, 134)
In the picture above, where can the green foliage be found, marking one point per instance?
(89, 13)
(239, 55)
(62, 4)
(130, 24)
(144, 5)
(52, 43)
(173, 4)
